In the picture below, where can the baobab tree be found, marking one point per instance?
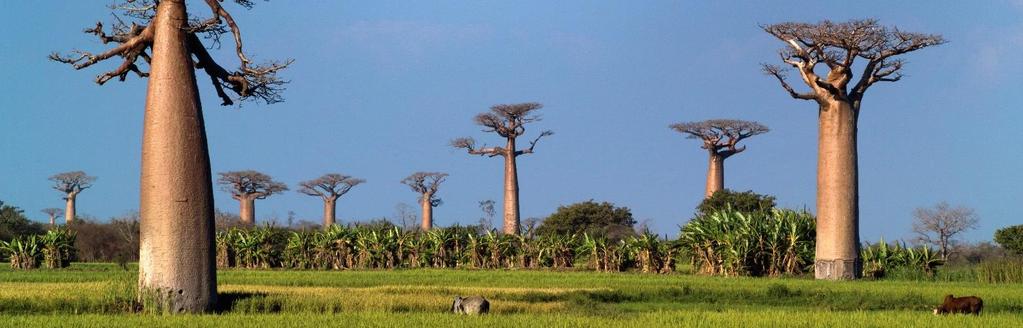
(509, 122)
(838, 46)
(720, 138)
(940, 225)
(71, 184)
(177, 253)
(53, 213)
(246, 187)
(426, 184)
(329, 187)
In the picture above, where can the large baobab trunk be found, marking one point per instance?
(247, 212)
(838, 247)
(511, 191)
(715, 174)
(427, 212)
(329, 208)
(69, 209)
(176, 265)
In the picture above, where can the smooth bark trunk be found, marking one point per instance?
(329, 208)
(427, 223)
(715, 174)
(69, 209)
(177, 268)
(247, 212)
(838, 237)
(511, 191)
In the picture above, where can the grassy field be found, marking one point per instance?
(85, 295)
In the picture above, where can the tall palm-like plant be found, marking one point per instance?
(24, 252)
(58, 248)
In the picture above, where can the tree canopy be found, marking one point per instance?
(1011, 238)
(249, 184)
(745, 201)
(13, 222)
(596, 219)
(837, 46)
(721, 136)
(329, 186)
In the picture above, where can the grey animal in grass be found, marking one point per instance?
(470, 305)
(966, 305)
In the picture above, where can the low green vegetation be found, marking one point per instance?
(84, 294)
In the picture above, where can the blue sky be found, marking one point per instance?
(380, 87)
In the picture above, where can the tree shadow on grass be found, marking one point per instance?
(246, 302)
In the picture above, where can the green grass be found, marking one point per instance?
(84, 295)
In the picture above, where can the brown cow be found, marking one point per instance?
(966, 305)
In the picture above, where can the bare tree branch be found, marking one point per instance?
(838, 45)
(72, 183)
(721, 136)
(249, 82)
(330, 186)
(426, 184)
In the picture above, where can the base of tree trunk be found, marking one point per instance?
(838, 269)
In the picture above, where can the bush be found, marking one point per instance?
(104, 242)
(1011, 238)
(745, 202)
(602, 219)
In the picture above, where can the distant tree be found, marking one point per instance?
(940, 225)
(720, 138)
(509, 122)
(407, 215)
(426, 185)
(487, 221)
(746, 201)
(248, 186)
(176, 195)
(13, 222)
(838, 46)
(378, 224)
(53, 213)
(329, 187)
(1011, 238)
(71, 184)
(596, 219)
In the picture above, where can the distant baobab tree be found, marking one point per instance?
(329, 187)
(720, 138)
(53, 213)
(177, 263)
(426, 184)
(838, 46)
(509, 122)
(71, 184)
(246, 187)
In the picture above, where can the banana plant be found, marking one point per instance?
(24, 252)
